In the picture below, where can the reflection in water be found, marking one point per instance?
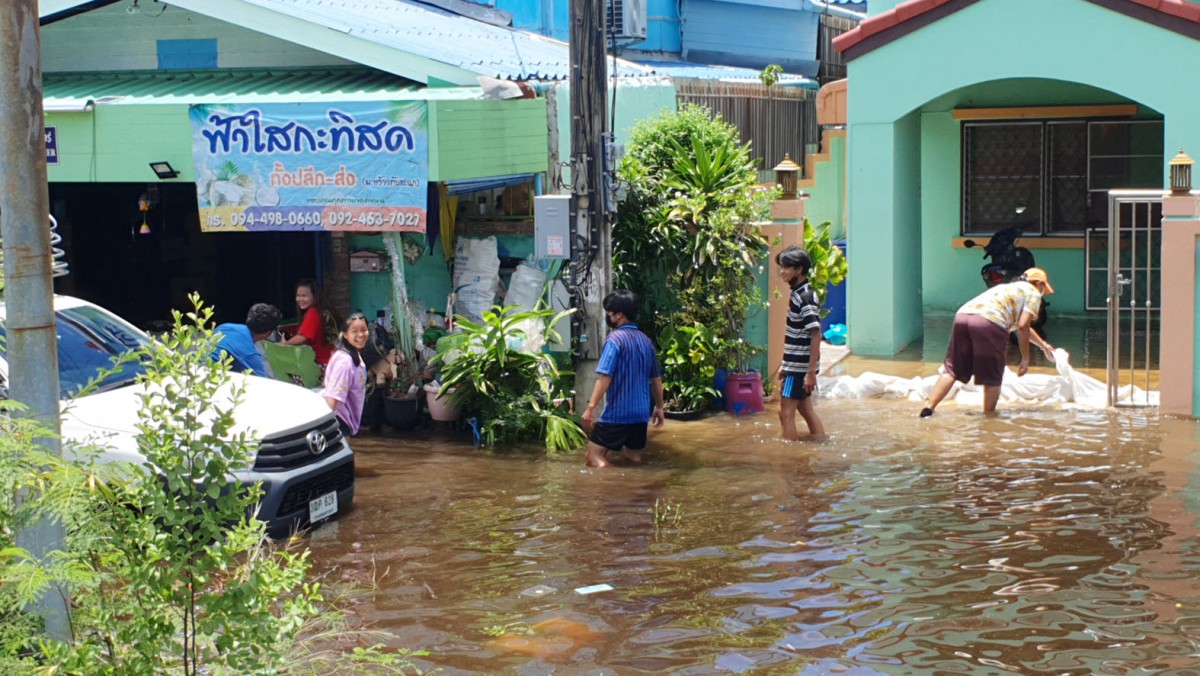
(1037, 540)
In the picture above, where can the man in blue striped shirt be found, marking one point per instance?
(628, 379)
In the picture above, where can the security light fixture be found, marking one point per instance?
(1181, 173)
(163, 169)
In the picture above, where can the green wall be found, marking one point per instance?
(827, 196)
(989, 53)
(428, 279)
(487, 138)
(636, 100)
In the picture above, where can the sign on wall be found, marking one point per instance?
(304, 166)
(51, 145)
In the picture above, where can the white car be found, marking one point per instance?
(304, 464)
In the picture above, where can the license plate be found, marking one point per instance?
(323, 507)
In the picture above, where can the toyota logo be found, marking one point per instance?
(316, 442)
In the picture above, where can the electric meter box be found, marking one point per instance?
(552, 226)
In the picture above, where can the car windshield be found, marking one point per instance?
(88, 340)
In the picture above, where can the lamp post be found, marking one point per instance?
(1181, 174)
(787, 177)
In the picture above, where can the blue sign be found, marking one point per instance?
(305, 166)
(51, 145)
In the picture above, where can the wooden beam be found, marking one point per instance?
(1027, 242)
(1040, 112)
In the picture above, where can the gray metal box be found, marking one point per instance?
(552, 226)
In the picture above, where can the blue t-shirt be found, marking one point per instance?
(238, 343)
(628, 358)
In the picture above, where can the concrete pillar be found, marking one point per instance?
(1178, 358)
(883, 289)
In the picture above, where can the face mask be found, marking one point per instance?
(609, 320)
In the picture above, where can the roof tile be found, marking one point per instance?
(906, 11)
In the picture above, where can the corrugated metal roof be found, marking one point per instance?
(700, 71)
(67, 90)
(424, 31)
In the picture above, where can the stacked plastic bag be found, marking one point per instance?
(1067, 386)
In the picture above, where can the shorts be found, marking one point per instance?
(614, 437)
(979, 349)
(793, 387)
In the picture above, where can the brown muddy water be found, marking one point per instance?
(1039, 540)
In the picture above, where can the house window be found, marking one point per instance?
(1052, 177)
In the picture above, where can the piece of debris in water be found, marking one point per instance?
(593, 589)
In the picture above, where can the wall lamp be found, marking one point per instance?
(163, 170)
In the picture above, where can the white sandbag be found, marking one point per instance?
(1068, 386)
(476, 276)
(525, 287)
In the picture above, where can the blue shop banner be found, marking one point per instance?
(361, 167)
(51, 145)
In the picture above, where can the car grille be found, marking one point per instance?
(299, 494)
(277, 454)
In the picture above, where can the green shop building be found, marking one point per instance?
(193, 145)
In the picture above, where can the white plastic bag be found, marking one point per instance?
(525, 287)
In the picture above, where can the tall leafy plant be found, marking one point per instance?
(517, 393)
(686, 238)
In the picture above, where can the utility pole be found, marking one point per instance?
(28, 290)
(592, 255)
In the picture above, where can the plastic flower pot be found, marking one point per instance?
(402, 413)
(440, 409)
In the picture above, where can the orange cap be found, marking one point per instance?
(1039, 275)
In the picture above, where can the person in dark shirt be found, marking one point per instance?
(628, 378)
(238, 340)
(797, 375)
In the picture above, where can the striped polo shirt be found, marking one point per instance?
(628, 358)
(804, 315)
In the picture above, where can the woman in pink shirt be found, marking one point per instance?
(346, 376)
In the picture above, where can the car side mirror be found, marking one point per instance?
(970, 244)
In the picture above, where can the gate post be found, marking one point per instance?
(1178, 330)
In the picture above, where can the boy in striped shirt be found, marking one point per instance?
(628, 378)
(797, 375)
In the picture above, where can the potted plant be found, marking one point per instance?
(403, 403)
(402, 406)
(687, 357)
(496, 371)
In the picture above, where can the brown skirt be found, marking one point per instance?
(978, 348)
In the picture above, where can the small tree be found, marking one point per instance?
(167, 568)
(686, 239)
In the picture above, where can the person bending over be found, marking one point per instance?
(979, 339)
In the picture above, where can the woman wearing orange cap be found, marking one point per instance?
(979, 340)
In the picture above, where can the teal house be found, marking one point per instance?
(968, 116)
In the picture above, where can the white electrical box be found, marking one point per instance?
(552, 226)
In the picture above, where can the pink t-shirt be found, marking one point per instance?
(346, 383)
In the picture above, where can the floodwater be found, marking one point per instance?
(1038, 540)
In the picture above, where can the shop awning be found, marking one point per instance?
(476, 184)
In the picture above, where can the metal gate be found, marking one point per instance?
(1133, 291)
